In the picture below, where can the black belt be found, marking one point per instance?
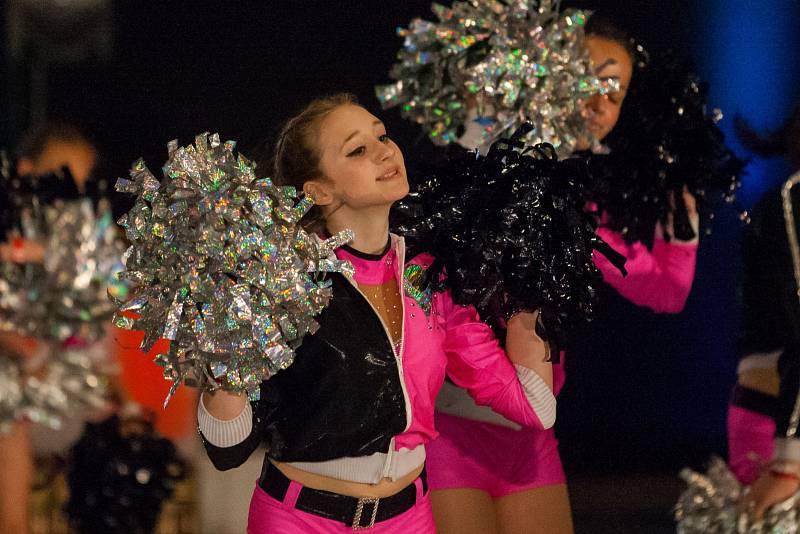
(354, 512)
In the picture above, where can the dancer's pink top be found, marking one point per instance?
(449, 336)
(659, 279)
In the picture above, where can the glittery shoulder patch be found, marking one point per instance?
(413, 278)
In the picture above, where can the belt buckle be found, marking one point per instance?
(360, 510)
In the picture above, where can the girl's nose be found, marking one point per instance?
(596, 103)
(385, 151)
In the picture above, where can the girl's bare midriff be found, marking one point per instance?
(384, 488)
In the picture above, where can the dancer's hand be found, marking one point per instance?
(20, 250)
(690, 202)
(769, 490)
(23, 346)
(526, 348)
(524, 321)
(224, 405)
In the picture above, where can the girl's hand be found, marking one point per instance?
(24, 346)
(770, 489)
(688, 200)
(20, 250)
(526, 348)
(691, 211)
(224, 405)
(524, 321)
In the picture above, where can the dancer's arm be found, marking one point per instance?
(661, 278)
(517, 385)
(228, 428)
(15, 478)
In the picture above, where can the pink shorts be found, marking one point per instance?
(491, 458)
(270, 516)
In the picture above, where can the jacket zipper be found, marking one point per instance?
(387, 465)
(398, 357)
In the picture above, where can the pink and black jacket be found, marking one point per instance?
(348, 394)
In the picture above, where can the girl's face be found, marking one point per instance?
(361, 166)
(611, 62)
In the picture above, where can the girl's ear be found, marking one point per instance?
(319, 192)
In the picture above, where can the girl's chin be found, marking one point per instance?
(396, 189)
(402, 193)
(598, 132)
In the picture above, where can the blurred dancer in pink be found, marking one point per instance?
(488, 474)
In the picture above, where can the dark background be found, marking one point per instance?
(646, 392)
(240, 68)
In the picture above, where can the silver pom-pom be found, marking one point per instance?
(513, 60)
(222, 267)
(66, 295)
(708, 506)
(69, 381)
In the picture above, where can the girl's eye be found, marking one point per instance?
(384, 138)
(357, 152)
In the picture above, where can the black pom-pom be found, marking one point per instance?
(666, 141)
(509, 233)
(119, 475)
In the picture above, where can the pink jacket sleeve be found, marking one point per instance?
(751, 442)
(659, 279)
(477, 363)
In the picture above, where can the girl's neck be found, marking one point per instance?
(370, 227)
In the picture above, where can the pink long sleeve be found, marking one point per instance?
(659, 279)
(750, 442)
(477, 363)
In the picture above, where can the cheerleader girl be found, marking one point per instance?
(761, 454)
(346, 425)
(44, 150)
(488, 474)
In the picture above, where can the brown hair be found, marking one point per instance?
(296, 159)
(35, 140)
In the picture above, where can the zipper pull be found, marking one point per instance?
(387, 466)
